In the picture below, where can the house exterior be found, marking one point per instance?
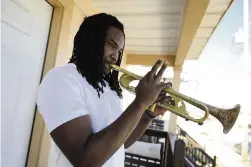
(37, 35)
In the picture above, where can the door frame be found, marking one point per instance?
(39, 146)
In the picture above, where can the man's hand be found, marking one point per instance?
(162, 98)
(150, 86)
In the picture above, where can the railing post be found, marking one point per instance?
(214, 161)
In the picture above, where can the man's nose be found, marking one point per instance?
(114, 57)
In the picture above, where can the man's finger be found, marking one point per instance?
(160, 98)
(155, 68)
(173, 102)
(163, 92)
(167, 99)
(164, 85)
(161, 71)
(169, 85)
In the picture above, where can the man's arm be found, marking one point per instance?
(139, 130)
(83, 147)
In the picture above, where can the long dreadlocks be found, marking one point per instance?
(88, 51)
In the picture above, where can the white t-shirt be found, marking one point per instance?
(64, 95)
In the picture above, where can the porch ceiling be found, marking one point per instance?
(177, 29)
(151, 26)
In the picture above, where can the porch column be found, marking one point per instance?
(246, 70)
(176, 85)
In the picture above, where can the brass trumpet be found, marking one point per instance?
(227, 117)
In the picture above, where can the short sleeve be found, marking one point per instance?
(59, 99)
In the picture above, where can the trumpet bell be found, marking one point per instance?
(227, 117)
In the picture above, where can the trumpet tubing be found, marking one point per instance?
(227, 117)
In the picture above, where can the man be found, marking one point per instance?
(80, 102)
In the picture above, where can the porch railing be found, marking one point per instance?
(199, 157)
(194, 152)
(190, 142)
(195, 155)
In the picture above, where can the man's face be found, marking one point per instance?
(113, 48)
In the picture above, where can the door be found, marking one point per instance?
(25, 28)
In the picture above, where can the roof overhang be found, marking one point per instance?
(200, 20)
(173, 30)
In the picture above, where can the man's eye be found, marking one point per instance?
(111, 44)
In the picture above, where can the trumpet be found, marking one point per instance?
(227, 117)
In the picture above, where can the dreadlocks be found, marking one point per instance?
(88, 51)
